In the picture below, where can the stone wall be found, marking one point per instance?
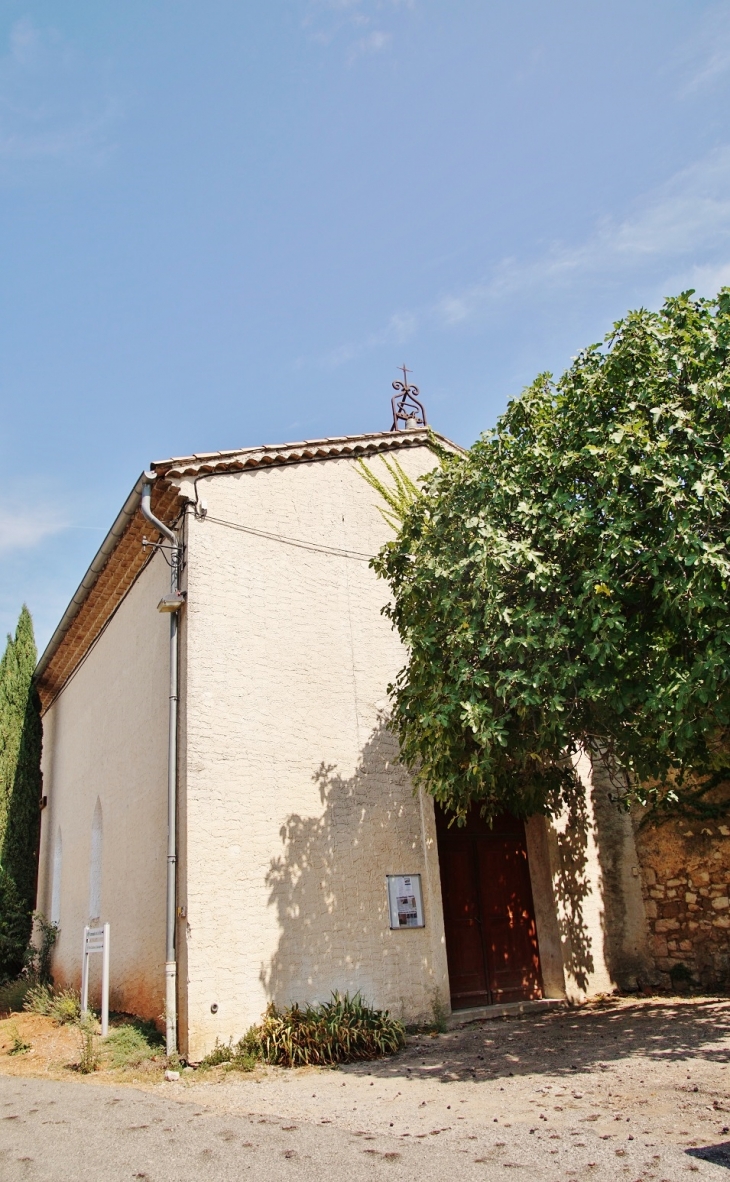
(685, 871)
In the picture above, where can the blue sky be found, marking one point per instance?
(228, 223)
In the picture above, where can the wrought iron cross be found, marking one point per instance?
(407, 406)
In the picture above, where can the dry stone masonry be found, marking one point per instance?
(686, 881)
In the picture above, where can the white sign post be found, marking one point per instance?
(96, 940)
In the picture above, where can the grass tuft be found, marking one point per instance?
(132, 1043)
(19, 1046)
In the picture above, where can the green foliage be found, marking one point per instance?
(222, 1053)
(398, 497)
(243, 1057)
(64, 1005)
(20, 791)
(15, 922)
(338, 1031)
(39, 953)
(567, 582)
(13, 995)
(131, 1043)
(89, 1059)
(18, 1044)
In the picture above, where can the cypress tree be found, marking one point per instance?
(20, 792)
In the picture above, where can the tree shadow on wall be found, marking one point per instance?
(328, 885)
(572, 887)
(624, 925)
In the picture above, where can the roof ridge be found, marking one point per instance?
(302, 450)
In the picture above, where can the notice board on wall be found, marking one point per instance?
(405, 901)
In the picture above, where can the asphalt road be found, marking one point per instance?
(74, 1131)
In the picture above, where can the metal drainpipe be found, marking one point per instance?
(172, 605)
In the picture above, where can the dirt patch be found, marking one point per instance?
(54, 1052)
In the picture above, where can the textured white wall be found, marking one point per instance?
(591, 908)
(105, 737)
(295, 806)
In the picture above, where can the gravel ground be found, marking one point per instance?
(623, 1090)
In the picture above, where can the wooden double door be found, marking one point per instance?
(491, 936)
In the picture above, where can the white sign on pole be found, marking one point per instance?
(405, 901)
(96, 940)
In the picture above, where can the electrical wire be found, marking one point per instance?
(335, 551)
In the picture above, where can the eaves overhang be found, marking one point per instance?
(121, 556)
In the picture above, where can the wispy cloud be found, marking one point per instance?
(26, 528)
(401, 327)
(52, 104)
(360, 23)
(707, 57)
(680, 233)
(375, 42)
(677, 236)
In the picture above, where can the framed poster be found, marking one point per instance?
(405, 901)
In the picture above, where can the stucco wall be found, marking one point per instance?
(295, 807)
(105, 739)
(587, 889)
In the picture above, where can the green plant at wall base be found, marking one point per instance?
(131, 1043)
(567, 582)
(439, 1011)
(222, 1053)
(341, 1030)
(20, 792)
(63, 1006)
(38, 957)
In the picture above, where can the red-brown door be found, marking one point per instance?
(491, 937)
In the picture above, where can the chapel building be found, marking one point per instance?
(301, 860)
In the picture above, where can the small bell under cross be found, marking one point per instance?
(407, 406)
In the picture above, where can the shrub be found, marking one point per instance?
(89, 1060)
(14, 927)
(341, 1030)
(13, 994)
(20, 793)
(19, 1045)
(40, 950)
(132, 1043)
(221, 1053)
(63, 1007)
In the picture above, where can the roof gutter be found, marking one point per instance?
(130, 507)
